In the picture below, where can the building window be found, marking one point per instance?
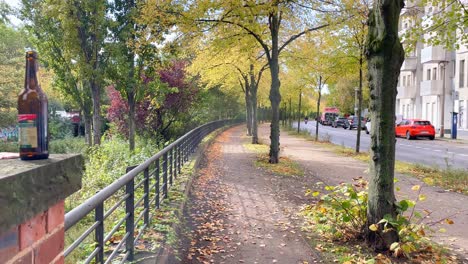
(408, 80)
(434, 74)
(428, 74)
(404, 81)
(461, 80)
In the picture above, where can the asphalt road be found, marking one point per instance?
(438, 152)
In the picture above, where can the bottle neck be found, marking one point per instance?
(30, 81)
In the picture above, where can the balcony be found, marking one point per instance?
(409, 64)
(406, 92)
(431, 87)
(433, 54)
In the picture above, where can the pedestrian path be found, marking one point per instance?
(239, 213)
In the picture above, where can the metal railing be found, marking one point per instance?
(158, 174)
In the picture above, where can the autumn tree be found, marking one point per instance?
(227, 63)
(12, 44)
(384, 55)
(273, 24)
(70, 37)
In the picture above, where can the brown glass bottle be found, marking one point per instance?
(33, 115)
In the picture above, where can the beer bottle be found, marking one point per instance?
(33, 115)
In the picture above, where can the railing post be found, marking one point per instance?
(179, 158)
(130, 225)
(165, 175)
(175, 159)
(99, 233)
(171, 158)
(147, 193)
(158, 185)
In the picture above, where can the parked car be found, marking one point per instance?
(412, 128)
(352, 122)
(368, 126)
(340, 121)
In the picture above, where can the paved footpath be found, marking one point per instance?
(238, 213)
(332, 169)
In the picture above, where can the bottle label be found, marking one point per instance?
(27, 131)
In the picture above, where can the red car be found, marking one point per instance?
(412, 128)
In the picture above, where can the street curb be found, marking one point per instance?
(166, 252)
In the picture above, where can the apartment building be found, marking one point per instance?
(433, 81)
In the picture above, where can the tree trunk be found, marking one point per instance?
(275, 96)
(385, 56)
(87, 118)
(131, 120)
(96, 97)
(299, 113)
(253, 92)
(318, 108)
(290, 113)
(358, 137)
(248, 108)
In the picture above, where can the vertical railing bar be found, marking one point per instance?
(179, 158)
(171, 157)
(157, 175)
(130, 209)
(176, 157)
(147, 195)
(99, 232)
(165, 176)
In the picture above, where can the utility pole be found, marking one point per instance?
(299, 112)
(442, 112)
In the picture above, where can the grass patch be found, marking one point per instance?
(285, 167)
(257, 148)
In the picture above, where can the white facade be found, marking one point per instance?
(430, 75)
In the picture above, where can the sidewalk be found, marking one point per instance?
(238, 213)
(333, 169)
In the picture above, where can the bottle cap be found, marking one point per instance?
(31, 54)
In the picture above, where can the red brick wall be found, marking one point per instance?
(39, 240)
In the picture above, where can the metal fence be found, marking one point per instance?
(157, 176)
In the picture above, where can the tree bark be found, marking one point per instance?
(385, 56)
(96, 97)
(87, 118)
(318, 108)
(358, 137)
(131, 120)
(299, 113)
(275, 96)
(253, 97)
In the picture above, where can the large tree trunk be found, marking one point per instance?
(318, 108)
(96, 97)
(385, 56)
(275, 96)
(131, 119)
(358, 137)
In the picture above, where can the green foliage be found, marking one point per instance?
(68, 145)
(108, 162)
(341, 213)
(12, 44)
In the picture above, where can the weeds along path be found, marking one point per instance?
(238, 213)
(322, 164)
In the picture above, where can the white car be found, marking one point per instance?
(368, 126)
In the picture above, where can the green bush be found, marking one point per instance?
(108, 162)
(68, 145)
